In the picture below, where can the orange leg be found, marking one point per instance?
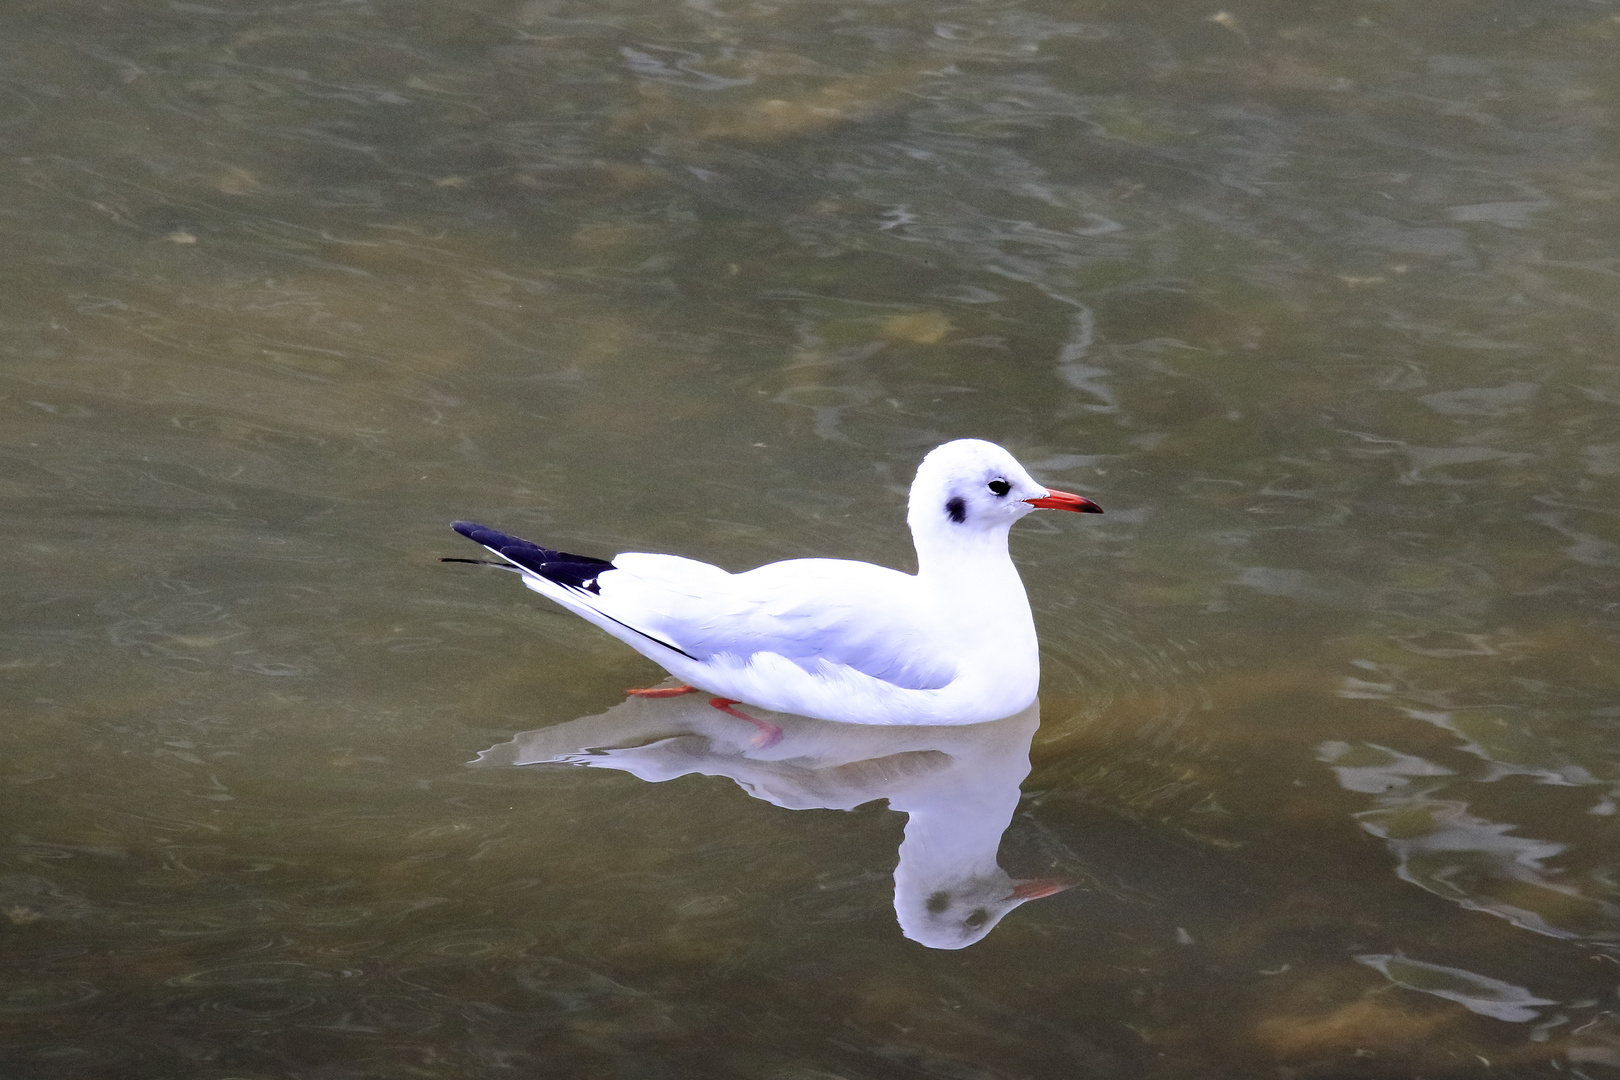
(664, 691)
(769, 733)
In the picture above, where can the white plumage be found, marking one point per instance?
(830, 638)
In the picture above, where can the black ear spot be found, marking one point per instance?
(956, 509)
(939, 901)
(999, 487)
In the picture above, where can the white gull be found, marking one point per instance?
(832, 638)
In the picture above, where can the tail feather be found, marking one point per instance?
(573, 571)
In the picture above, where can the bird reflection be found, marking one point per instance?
(957, 784)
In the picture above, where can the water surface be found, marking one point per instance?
(1318, 302)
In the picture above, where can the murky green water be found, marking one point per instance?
(1318, 301)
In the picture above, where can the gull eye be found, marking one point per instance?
(977, 919)
(1000, 487)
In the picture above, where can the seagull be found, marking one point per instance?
(834, 639)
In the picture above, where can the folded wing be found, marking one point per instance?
(818, 614)
(813, 612)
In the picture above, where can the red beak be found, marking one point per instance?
(1035, 888)
(1062, 500)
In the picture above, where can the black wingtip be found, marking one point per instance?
(574, 571)
(493, 539)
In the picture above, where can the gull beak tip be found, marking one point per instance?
(1063, 500)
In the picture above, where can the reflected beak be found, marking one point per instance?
(1035, 888)
(1062, 500)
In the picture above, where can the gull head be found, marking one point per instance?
(970, 485)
